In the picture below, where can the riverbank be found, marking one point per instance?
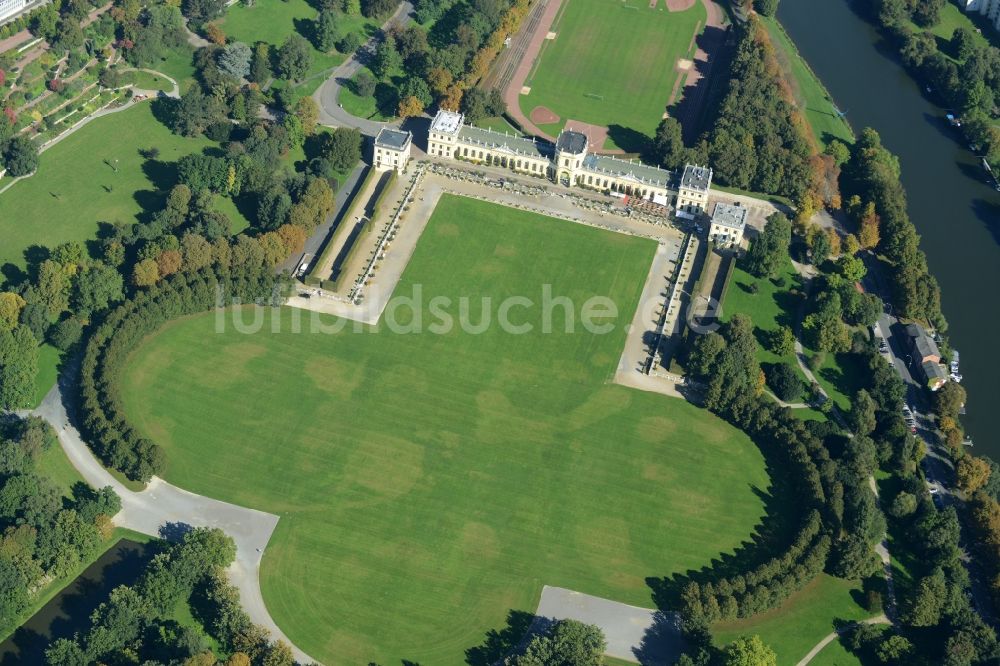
(827, 121)
(950, 206)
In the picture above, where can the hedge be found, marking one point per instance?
(109, 433)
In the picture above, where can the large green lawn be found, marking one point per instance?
(612, 63)
(429, 483)
(835, 654)
(770, 304)
(802, 621)
(76, 186)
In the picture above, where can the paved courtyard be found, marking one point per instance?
(638, 635)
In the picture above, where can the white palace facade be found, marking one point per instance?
(570, 163)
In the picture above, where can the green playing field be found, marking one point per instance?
(612, 63)
(427, 484)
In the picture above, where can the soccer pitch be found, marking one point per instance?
(612, 63)
(428, 484)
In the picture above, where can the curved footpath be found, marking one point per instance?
(100, 113)
(164, 507)
(330, 111)
(829, 638)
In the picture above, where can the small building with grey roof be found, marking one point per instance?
(693, 190)
(729, 222)
(392, 149)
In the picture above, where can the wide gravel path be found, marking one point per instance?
(163, 509)
(638, 635)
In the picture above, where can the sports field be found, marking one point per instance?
(430, 483)
(612, 63)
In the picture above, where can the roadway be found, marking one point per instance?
(331, 113)
(939, 472)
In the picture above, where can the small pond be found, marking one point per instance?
(69, 611)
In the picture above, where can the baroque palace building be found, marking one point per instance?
(569, 163)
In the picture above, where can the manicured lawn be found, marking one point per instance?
(367, 107)
(807, 414)
(820, 111)
(147, 81)
(770, 307)
(69, 195)
(428, 484)
(835, 654)
(841, 376)
(952, 17)
(802, 621)
(272, 21)
(48, 369)
(613, 63)
(54, 465)
(178, 65)
(497, 124)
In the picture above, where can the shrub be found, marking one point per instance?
(781, 378)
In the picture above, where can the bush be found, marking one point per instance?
(781, 378)
(65, 333)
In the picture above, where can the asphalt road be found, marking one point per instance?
(162, 509)
(330, 111)
(938, 469)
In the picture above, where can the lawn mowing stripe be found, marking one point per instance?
(463, 472)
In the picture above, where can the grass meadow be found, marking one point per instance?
(612, 63)
(76, 186)
(429, 484)
(812, 96)
(793, 628)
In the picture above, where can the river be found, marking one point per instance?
(956, 213)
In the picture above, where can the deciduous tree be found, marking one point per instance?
(749, 651)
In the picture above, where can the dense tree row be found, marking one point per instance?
(564, 642)
(933, 607)
(45, 536)
(760, 141)
(965, 71)
(415, 68)
(765, 586)
(134, 625)
(727, 365)
(872, 187)
(241, 276)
